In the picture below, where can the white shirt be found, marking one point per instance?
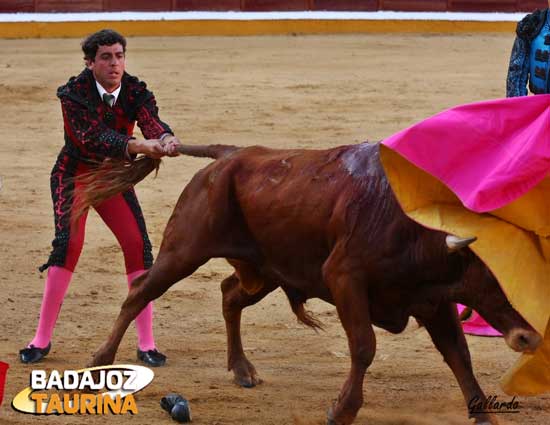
(102, 91)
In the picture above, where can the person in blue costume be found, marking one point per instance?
(530, 58)
(529, 67)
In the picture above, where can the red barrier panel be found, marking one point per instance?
(274, 5)
(137, 5)
(221, 5)
(529, 5)
(3, 372)
(482, 5)
(414, 5)
(16, 6)
(271, 5)
(69, 5)
(348, 5)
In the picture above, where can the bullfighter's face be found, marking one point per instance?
(108, 66)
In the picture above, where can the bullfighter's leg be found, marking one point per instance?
(446, 333)
(235, 299)
(348, 287)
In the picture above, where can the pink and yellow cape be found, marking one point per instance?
(483, 169)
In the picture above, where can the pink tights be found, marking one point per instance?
(118, 216)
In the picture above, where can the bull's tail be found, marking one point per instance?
(306, 317)
(112, 177)
(108, 179)
(297, 301)
(207, 151)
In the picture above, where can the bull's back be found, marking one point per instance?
(308, 187)
(297, 203)
(297, 188)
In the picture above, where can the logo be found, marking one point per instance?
(492, 405)
(93, 391)
(3, 371)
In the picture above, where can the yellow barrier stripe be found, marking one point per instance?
(247, 27)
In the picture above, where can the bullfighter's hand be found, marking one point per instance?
(171, 144)
(151, 147)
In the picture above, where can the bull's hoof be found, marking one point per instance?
(493, 421)
(99, 361)
(330, 417)
(102, 357)
(245, 374)
(247, 381)
(486, 420)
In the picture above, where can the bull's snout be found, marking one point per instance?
(523, 340)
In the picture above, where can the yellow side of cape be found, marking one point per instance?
(514, 242)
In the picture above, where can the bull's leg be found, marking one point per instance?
(166, 271)
(196, 232)
(349, 291)
(235, 299)
(446, 333)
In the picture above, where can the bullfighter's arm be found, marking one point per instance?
(518, 70)
(148, 119)
(153, 127)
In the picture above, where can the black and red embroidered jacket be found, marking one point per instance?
(95, 131)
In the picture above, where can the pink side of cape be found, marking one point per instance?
(488, 153)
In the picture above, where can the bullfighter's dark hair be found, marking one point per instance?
(105, 37)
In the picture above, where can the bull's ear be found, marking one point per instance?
(454, 243)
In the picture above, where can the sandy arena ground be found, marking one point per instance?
(304, 91)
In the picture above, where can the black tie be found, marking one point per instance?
(109, 99)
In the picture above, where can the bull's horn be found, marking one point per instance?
(454, 243)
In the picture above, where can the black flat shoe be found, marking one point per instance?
(33, 354)
(152, 358)
(169, 401)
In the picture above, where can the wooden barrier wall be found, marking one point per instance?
(270, 5)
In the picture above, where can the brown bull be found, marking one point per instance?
(324, 224)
